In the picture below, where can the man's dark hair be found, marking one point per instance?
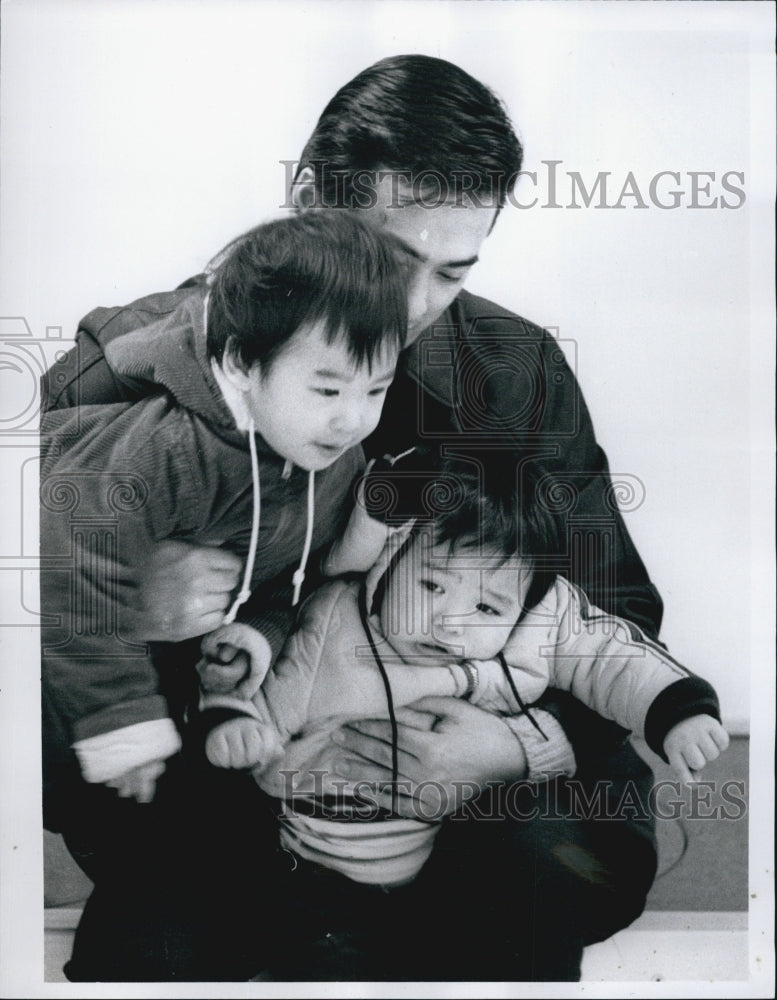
(316, 267)
(419, 115)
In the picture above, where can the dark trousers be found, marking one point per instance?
(194, 887)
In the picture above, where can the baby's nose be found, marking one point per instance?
(449, 624)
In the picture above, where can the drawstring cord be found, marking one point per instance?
(389, 697)
(299, 576)
(245, 591)
(514, 689)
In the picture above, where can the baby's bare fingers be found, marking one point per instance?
(683, 772)
(721, 738)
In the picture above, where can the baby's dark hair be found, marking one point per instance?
(495, 505)
(490, 504)
(320, 266)
(417, 115)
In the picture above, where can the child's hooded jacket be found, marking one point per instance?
(117, 479)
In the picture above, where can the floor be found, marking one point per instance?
(695, 924)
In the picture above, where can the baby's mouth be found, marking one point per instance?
(436, 648)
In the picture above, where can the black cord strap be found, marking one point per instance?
(389, 697)
(517, 697)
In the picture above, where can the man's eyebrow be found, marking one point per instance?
(412, 252)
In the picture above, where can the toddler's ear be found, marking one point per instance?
(233, 370)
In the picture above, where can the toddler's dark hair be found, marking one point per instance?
(321, 266)
(418, 114)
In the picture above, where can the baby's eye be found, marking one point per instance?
(487, 609)
(379, 392)
(431, 586)
(326, 392)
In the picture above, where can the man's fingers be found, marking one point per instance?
(416, 720)
(443, 706)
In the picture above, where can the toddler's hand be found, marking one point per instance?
(237, 743)
(235, 659)
(140, 782)
(693, 743)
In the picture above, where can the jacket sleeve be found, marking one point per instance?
(105, 501)
(282, 704)
(612, 667)
(534, 403)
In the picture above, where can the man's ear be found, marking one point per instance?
(303, 192)
(233, 370)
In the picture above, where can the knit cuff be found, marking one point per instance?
(544, 757)
(109, 755)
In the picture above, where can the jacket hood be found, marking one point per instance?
(171, 353)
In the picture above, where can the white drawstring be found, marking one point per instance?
(245, 592)
(299, 577)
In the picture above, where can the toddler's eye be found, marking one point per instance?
(486, 609)
(326, 392)
(431, 586)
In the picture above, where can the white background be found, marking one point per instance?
(137, 138)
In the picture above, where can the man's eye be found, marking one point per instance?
(451, 279)
(432, 587)
(379, 392)
(487, 609)
(326, 392)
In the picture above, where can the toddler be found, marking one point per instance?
(257, 394)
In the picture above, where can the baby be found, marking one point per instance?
(458, 605)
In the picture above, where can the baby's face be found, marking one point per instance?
(443, 604)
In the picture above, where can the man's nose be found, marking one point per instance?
(418, 297)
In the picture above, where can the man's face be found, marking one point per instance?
(315, 402)
(443, 604)
(441, 244)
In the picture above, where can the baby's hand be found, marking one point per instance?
(237, 743)
(140, 782)
(693, 743)
(235, 659)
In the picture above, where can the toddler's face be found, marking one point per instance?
(315, 402)
(444, 604)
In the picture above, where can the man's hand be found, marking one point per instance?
(180, 591)
(693, 743)
(237, 743)
(140, 782)
(449, 751)
(236, 659)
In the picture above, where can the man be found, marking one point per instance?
(522, 877)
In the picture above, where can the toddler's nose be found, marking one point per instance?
(347, 421)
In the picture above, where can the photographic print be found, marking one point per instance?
(387, 443)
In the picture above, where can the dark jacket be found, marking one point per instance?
(118, 478)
